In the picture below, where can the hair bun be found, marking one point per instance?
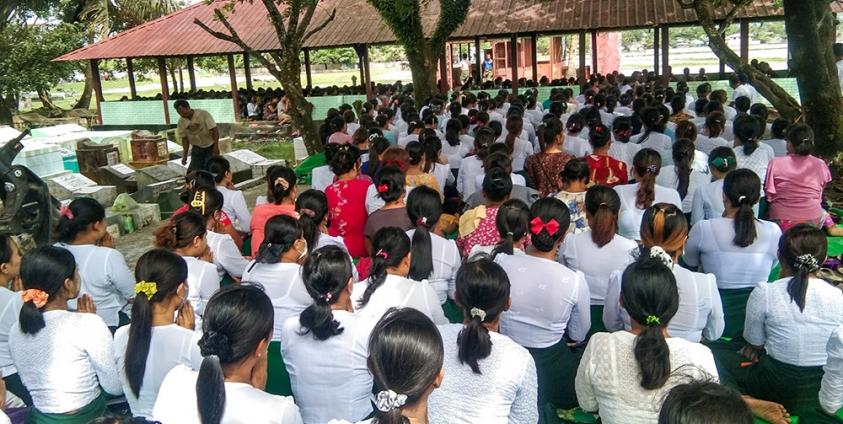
(214, 343)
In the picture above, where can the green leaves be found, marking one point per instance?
(26, 53)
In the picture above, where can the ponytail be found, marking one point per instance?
(514, 126)
(43, 273)
(280, 233)
(180, 230)
(77, 217)
(482, 288)
(390, 245)
(511, 222)
(647, 163)
(549, 131)
(603, 204)
(801, 137)
(326, 273)
(424, 209)
(452, 131)
(312, 207)
(159, 274)
(803, 249)
(683, 155)
(742, 188)
(210, 391)
(281, 182)
(747, 129)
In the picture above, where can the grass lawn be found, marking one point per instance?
(270, 150)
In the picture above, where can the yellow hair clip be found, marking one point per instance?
(148, 288)
(199, 201)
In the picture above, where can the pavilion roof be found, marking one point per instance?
(357, 22)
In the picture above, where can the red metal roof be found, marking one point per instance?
(356, 22)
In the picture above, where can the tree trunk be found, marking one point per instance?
(44, 96)
(423, 68)
(811, 34)
(786, 105)
(84, 101)
(6, 109)
(288, 73)
(175, 87)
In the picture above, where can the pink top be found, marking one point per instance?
(347, 208)
(263, 213)
(485, 234)
(339, 137)
(794, 187)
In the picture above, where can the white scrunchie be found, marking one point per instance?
(387, 400)
(479, 313)
(658, 253)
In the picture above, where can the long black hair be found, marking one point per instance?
(405, 357)
(497, 184)
(237, 319)
(218, 166)
(801, 137)
(390, 246)
(452, 131)
(280, 233)
(483, 293)
(747, 129)
(424, 210)
(647, 164)
(604, 205)
(281, 181)
(78, 218)
(180, 230)
(650, 296)
(512, 224)
(344, 159)
(802, 249)
(206, 203)
(742, 188)
(326, 273)
(46, 268)
(166, 271)
(651, 118)
(390, 183)
(544, 212)
(312, 207)
(549, 131)
(683, 157)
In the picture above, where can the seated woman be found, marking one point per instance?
(511, 223)
(186, 236)
(543, 168)
(626, 375)
(831, 388)
(498, 158)
(711, 133)
(700, 312)
(390, 183)
(750, 152)
(795, 183)
(472, 166)
(226, 256)
(235, 204)
(388, 286)
(418, 172)
(681, 176)
(347, 201)
(788, 324)
(161, 334)
(204, 180)
(550, 303)
(499, 374)
(600, 251)
(432, 257)
(704, 402)
(518, 148)
(603, 168)
(477, 226)
(738, 249)
(328, 336)
(229, 384)
(64, 358)
(652, 136)
(708, 198)
(281, 199)
(575, 180)
(637, 197)
(10, 304)
(102, 270)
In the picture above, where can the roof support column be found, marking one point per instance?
(307, 75)
(534, 61)
(513, 58)
(744, 41)
(581, 71)
(95, 71)
(248, 71)
(367, 72)
(665, 51)
(191, 73)
(479, 59)
(359, 49)
(235, 96)
(130, 70)
(450, 51)
(165, 89)
(656, 44)
(594, 51)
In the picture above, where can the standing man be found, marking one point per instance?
(199, 135)
(487, 67)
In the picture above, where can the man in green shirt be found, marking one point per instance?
(199, 135)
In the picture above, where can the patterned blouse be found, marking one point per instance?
(606, 170)
(347, 208)
(477, 228)
(576, 204)
(543, 170)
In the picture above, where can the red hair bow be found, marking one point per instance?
(537, 225)
(383, 188)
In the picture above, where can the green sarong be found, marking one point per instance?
(84, 415)
(556, 369)
(277, 378)
(453, 312)
(597, 325)
(734, 310)
(797, 388)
